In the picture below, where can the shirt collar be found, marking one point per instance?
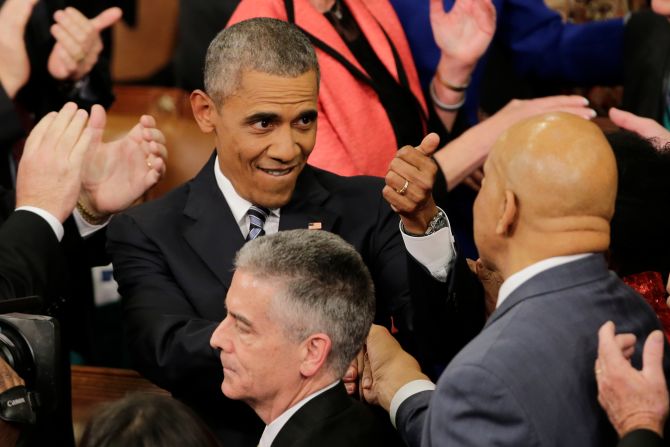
(238, 205)
(273, 428)
(523, 275)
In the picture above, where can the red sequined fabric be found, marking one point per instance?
(650, 286)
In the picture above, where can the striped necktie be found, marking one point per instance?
(257, 216)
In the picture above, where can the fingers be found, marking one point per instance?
(106, 18)
(67, 144)
(645, 127)
(609, 353)
(485, 14)
(36, 136)
(75, 24)
(652, 357)
(153, 134)
(436, 8)
(147, 121)
(626, 343)
(350, 377)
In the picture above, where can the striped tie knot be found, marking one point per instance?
(257, 217)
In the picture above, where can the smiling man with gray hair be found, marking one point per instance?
(299, 308)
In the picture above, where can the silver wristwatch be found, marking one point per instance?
(437, 223)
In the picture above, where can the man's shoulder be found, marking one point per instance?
(339, 182)
(162, 210)
(359, 425)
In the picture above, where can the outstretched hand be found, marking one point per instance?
(632, 399)
(116, 174)
(78, 43)
(644, 127)
(386, 368)
(465, 32)
(49, 174)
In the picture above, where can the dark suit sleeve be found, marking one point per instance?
(30, 258)
(641, 438)
(434, 320)
(170, 340)
(10, 125)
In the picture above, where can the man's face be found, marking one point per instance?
(264, 133)
(486, 211)
(258, 359)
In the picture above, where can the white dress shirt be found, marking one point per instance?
(435, 251)
(508, 286)
(273, 428)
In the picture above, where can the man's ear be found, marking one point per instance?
(315, 352)
(507, 219)
(204, 111)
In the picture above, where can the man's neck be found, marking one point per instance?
(289, 397)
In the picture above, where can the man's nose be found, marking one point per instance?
(220, 339)
(285, 147)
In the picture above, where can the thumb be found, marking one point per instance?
(652, 356)
(429, 144)
(106, 18)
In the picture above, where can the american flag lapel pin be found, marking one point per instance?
(314, 226)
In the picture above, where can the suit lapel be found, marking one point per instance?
(311, 416)
(561, 277)
(307, 205)
(212, 231)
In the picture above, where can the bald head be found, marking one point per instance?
(559, 165)
(559, 173)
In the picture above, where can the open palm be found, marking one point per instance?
(463, 33)
(116, 174)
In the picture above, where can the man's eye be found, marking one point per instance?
(305, 121)
(263, 124)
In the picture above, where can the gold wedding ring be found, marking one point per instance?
(403, 190)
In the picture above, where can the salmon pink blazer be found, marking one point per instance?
(354, 135)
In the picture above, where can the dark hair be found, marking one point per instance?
(146, 420)
(640, 232)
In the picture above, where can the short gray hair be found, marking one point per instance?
(324, 286)
(262, 44)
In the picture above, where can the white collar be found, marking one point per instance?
(273, 428)
(238, 205)
(523, 275)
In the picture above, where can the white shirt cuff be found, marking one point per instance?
(53, 222)
(85, 228)
(435, 252)
(405, 392)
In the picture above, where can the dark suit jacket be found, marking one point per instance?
(641, 438)
(528, 378)
(334, 419)
(647, 62)
(30, 257)
(173, 261)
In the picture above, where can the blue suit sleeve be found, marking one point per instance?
(546, 48)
